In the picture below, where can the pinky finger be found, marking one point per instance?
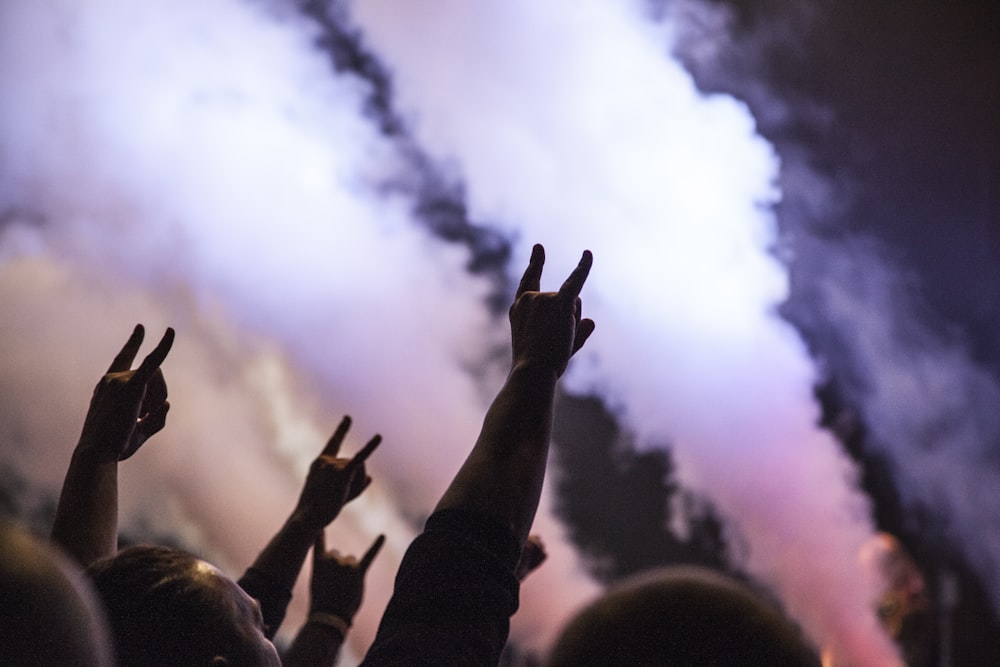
(365, 452)
(369, 556)
(156, 357)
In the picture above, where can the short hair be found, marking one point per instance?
(681, 616)
(161, 609)
(49, 614)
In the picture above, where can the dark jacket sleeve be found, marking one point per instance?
(454, 595)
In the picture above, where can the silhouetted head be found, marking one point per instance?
(681, 616)
(166, 607)
(49, 614)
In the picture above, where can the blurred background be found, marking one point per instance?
(796, 371)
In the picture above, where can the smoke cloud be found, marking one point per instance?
(203, 166)
(931, 409)
(583, 104)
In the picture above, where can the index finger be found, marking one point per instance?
(365, 452)
(123, 360)
(333, 444)
(156, 357)
(532, 278)
(369, 556)
(574, 283)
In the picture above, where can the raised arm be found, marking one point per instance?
(332, 482)
(457, 587)
(128, 406)
(336, 590)
(502, 477)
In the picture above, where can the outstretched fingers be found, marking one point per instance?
(532, 279)
(365, 452)
(369, 556)
(123, 360)
(574, 283)
(332, 447)
(153, 360)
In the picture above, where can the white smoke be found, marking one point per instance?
(931, 410)
(200, 165)
(570, 121)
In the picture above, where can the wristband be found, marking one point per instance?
(330, 621)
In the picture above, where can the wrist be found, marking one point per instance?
(89, 451)
(537, 370)
(304, 519)
(334, 622)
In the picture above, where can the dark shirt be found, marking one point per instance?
(454, 595)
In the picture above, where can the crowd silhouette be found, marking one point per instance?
(79, 600)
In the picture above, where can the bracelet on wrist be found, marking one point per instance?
(326, 619)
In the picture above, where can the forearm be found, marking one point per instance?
(86, 522)
(316, 645)
(503, 475)
(278, 565)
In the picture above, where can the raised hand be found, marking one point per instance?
(484, 517)
(546, 327)
(128, 406)
(332, 481)
(338, 581)
(337, 587)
